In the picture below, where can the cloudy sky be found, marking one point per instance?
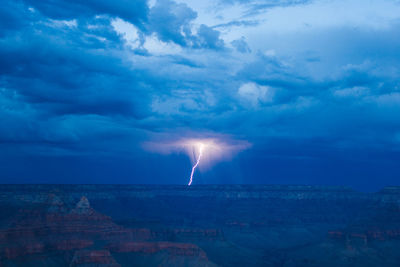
(313, 86)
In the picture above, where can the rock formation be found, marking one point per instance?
(234, 225)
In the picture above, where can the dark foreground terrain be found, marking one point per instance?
(209, 225)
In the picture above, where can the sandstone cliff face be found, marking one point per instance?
(174, 249)
(45, 221)
(51, 226)
(93, 258)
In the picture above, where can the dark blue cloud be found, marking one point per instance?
(246, 23)
(58, 82)
(79, 81)
(241, 45)
(254, 7)
(209, 38)
(132, 11)
(10, 16)
(172, 23)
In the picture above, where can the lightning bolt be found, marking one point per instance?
(201, 147)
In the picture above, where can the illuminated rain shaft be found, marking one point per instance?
(201, 147)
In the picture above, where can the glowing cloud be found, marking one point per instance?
(203, 152)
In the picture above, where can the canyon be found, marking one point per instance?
(201, 225)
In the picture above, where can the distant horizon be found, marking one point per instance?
(194, 186)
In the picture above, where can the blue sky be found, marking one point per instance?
(312, 85)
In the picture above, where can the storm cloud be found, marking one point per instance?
(310, 84)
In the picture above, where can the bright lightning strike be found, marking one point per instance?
(207, 150)
(201, 147)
